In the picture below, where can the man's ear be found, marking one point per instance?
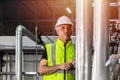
(56, 32)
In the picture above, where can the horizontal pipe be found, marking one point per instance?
(27, 33)
(25, 73)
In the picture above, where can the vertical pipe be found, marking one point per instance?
(19, 32)
(36, 35)
(83, 39)
(1, 59)
(19, 53)
(101, 18)
(118, 10)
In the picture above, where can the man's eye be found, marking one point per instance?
(63, 28)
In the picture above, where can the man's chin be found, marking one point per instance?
(67, 38)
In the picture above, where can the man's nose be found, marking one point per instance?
(66, 29)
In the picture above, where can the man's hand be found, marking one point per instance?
(73, 63)
(66, 66)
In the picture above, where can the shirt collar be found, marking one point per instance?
(60, 42)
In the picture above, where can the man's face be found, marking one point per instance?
(64, 31)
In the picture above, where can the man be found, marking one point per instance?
(58, 61)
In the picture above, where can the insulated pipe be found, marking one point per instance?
(101, 23)
(84, 39)
(20, 31)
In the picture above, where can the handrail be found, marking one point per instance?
(20, 31)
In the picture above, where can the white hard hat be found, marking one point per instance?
(63, 20)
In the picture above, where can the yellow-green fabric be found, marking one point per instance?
(59, 55)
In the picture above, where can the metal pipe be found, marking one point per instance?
(20, 31)
(101, 23)
(36, 34)
(29, 34)
(18, 53)
(118, 10)
(83, 39)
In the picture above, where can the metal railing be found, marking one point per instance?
(20, 31)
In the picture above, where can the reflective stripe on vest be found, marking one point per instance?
(53, 54)
(54, 60)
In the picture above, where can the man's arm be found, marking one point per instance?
(45, 69)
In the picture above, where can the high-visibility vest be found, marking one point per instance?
(55, 55)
